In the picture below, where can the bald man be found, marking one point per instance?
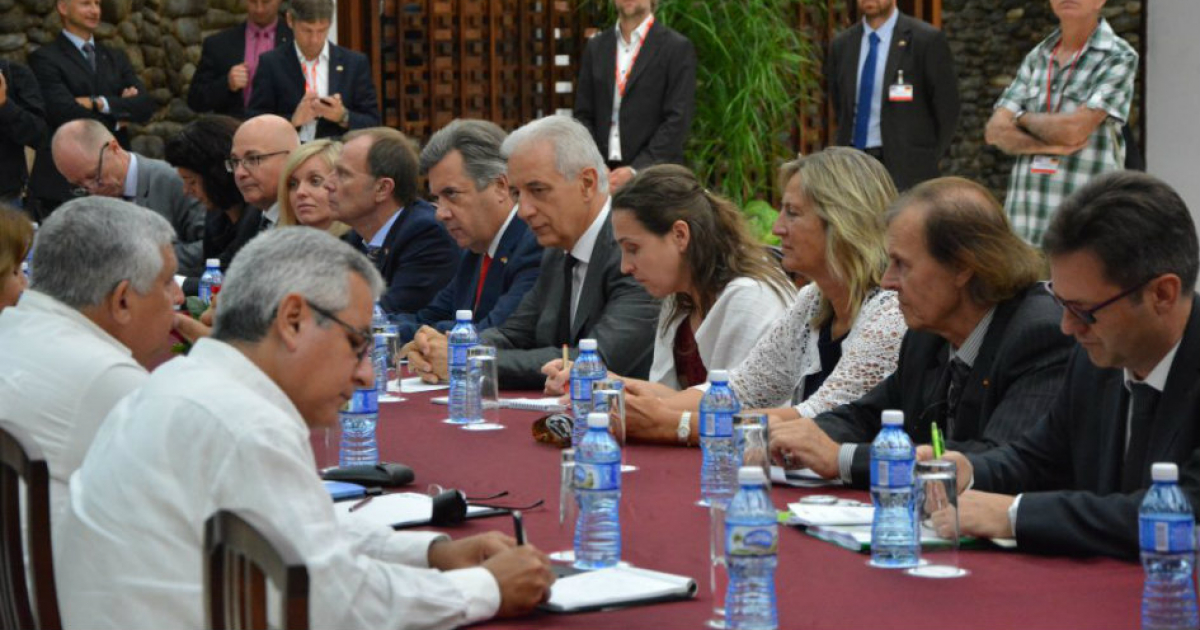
(260, 149)
(94, 163)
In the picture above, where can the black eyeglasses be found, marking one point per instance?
(251, 162)
(361, 340)
(82, 191)
(1088, 315)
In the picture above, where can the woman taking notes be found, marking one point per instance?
(842, 334)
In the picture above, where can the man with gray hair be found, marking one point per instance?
(99, 310)
(562, 181)
(227, 428)
(94, 163)
(501, 257)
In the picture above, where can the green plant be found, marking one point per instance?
(760, 216)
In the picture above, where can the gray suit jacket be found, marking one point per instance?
(160, 189)
(613, 309)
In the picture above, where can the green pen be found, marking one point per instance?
(939, 446)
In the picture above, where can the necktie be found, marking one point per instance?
(866, 90)
(251, 62)
(958, 370)
(89, 51)
(1143, 400)
(265, 223)
(373, 254)
(564, 312)
(484, 265)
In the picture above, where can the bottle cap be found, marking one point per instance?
(1164, 471)
(213, 262)
(597, 421)
(751, 475)
(587, 344)
(718, 376)
(463, 315)
(893, 418)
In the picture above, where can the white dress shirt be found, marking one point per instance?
(60, 374)
(308, 131)
(212, 431)
(627, 52)
(582, 252)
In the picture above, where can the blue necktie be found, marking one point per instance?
(866, 89)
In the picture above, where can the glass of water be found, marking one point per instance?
(483, 390)
(391, 335)
(751, 441)
(718, 575)
(566, 507)
(608, 396)
(936, 495)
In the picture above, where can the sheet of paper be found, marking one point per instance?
(810, 514)
(801, 478)
(549, 404)
(616, 585)
(401, 508)
(414, 385)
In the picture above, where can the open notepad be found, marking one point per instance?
(549, 404)
(849, 526)
(402, 509)
(615, 587)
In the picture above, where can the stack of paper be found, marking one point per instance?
(801, 478)
(617, 586)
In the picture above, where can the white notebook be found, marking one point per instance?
(617, 586)
(549, 404)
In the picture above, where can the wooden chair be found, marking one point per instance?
(20, 605)
(238, 558)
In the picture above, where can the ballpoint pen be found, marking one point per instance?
(518, 527)
(371, 494)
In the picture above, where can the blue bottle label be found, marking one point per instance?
(751, 540)
(890, 473)
(581, 389)
(458, 354)
(363, 401)
(597, 476)
(716, 424)
(1166, 536)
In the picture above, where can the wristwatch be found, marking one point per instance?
(1017, 117)
(345, 120)
(684, 430)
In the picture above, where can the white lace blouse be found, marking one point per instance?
(774, 372)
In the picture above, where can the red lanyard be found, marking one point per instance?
(637, 51)
(310, 80)
(1066, 79)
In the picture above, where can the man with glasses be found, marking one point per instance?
(94, 163)
(260, 149)
(1123, 263)
(227, 428)
(983, 357)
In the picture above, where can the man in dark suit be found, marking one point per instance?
(21, 125)
(81, 78)
(645, 72)
(88, 156)
(224, 79)
(581, 293)
(983, 357)
(374, 191)
(323, 88)
(501, 257)
(1123, 261)
(903, 108)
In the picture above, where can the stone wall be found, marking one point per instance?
(989, 39)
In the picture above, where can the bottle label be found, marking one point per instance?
(581, 389)
(363, 401)
(718, 424)
(1166, 536)
(597, 476)
(751, 540)
(458, 354)
(892, 473)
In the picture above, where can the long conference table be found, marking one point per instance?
(819, 584)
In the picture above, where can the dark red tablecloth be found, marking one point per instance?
(819, 584)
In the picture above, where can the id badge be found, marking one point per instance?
(900, 92)
(1044, 165)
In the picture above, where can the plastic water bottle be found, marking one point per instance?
(894, 539)
(718, 472)
(211, 280)
(462, 338)
(378, 318)
(379, 360)
(27, 266)
(358, 418)
(1166, 530)
(587, 369)
(598, 493)
(751, 550)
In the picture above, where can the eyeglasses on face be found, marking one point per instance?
(82, 191)
(1088, 315)
(361, 340)
(251, 162)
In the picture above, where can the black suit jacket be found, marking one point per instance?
(656, 111)
(1013, 382)
(510, 276)
(64, 74)
(915, 134)
(279, 86)
(613, 309)
(209, 91)
(21, 125)
(1069, 464)
(418, 258)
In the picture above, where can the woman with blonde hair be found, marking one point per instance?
(305, 200)
(842, 334)
(16, 237)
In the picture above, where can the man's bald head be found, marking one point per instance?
(89, 157)
(268, 139)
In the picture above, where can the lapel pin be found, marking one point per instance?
(986, 382)
(504, 260)
(903, 42)
(339, 68)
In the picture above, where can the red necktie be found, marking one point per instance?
(483, 269)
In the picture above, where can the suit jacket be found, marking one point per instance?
(417, 260)
(1012, 383)
(512, 273)
(660, 94)
(64, 74)
(279, 86)
(1068, 466)
(916, 134)
(209, 91)
(613, 309)
(160, 189)
(21, 125)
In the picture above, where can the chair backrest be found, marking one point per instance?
(20, 605)
(239, 557)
